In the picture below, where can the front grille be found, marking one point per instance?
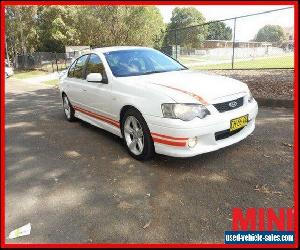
(220, 135)
(225, 106)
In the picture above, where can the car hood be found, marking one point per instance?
(187, 85)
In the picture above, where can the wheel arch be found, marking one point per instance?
(125, 108)
(149, 148)
(63, 93)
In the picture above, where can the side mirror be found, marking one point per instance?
(94, 77)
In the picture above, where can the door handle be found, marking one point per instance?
(83, 89)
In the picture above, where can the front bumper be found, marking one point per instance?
(171, 135)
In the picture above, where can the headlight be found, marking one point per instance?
(185, 112)
(250, 97)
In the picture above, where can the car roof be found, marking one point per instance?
(117, 48)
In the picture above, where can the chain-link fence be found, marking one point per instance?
(46, 61)
(247, 42)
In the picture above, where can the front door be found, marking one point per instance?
(97, 94)
(75, 81)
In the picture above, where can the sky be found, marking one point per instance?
(246, 28)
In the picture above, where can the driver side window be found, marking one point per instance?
(95, 65)
(79, 67)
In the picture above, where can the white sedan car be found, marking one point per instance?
(8, 71)
(155, 103)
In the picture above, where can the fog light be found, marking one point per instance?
(192, 142)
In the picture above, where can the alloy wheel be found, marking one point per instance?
(134, 135)
(67, 107)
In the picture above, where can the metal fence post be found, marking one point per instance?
(52, 61)
(56, 62)
(233, 44)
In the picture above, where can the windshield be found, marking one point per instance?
(136, 62)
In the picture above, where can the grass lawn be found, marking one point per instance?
(49, 67)
(187, 60)
(271, 62)
(28, 74)
(53, 82)
(202, 59)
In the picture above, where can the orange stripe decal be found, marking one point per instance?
(99, 117)
(94, 114)
(197, 97)
(169, 137)
(172, 143)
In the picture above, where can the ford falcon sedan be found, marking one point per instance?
(155, 103)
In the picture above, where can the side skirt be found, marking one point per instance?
(98, 123)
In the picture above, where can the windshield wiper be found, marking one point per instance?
(153, 72)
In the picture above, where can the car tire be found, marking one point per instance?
(143, 148)
(68, 108)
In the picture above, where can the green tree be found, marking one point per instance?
(88, 25)
(219, 31)
(184, 17)
(56, 27)
(119, 25)
(51, 28)
(186, 37)
(270, 33)
(21, 31)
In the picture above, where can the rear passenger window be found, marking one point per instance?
(79, 67)
(95, 65)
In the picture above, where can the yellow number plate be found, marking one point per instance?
(238, 123)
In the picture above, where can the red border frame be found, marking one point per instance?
(147, 245)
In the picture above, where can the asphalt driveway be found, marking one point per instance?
(76, 183)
